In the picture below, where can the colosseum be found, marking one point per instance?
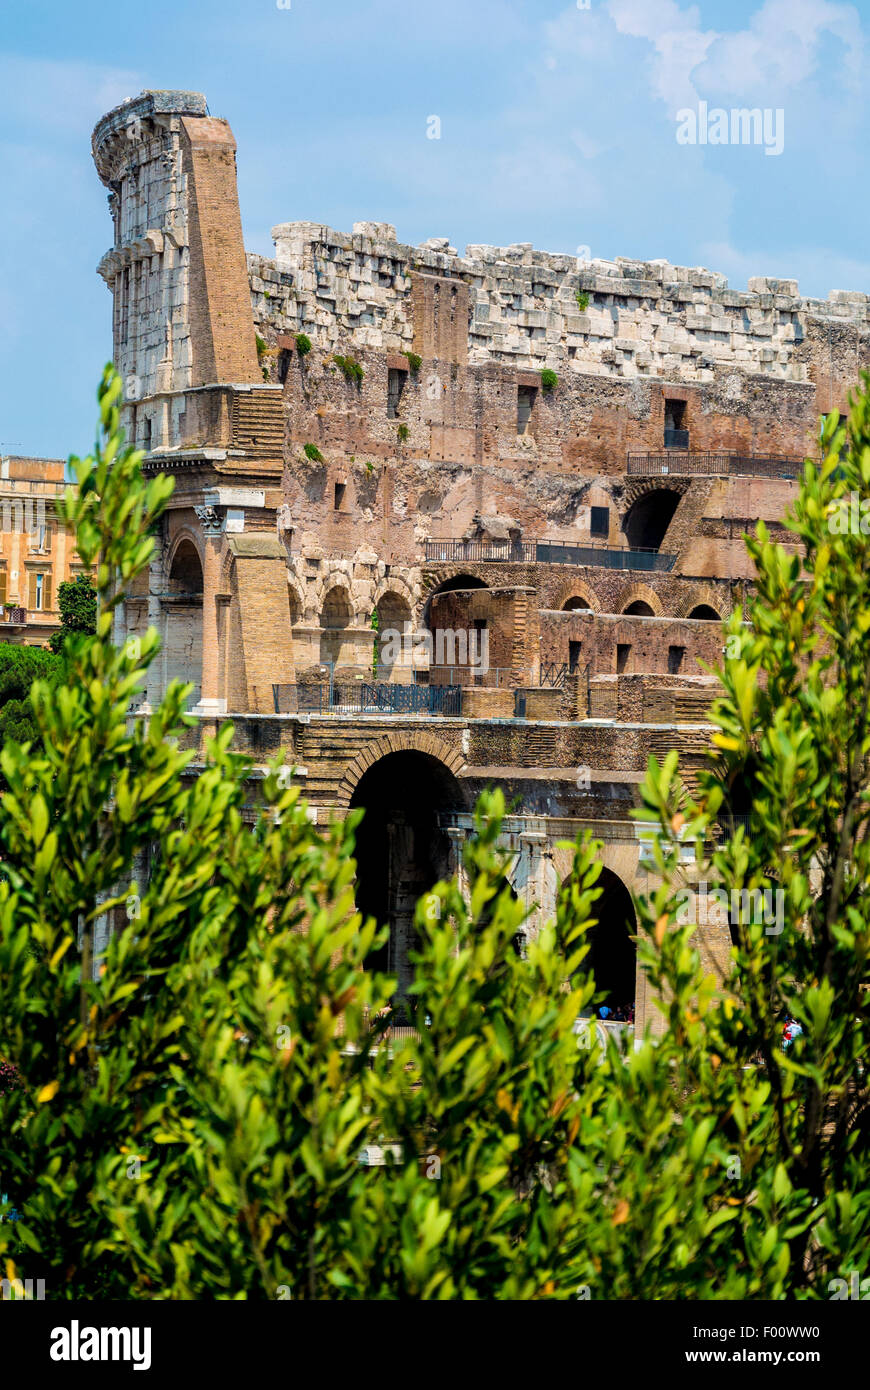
(448, 521)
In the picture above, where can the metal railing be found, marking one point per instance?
(549, 553)
(364, 697)
(16, 616)
(554, 674)
(758, 465)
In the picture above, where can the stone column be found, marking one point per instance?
(210, 700)
(154, 685)
(456, 836)
(533, 843)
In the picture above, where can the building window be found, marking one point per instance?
(340, 490)
(574, 650)
(40, 537)
(623, 652)
(676, 434)
(396, 379)
(599, 521)
(525, 405)
(675, 659)
(39, 592)
(283, 365)
(146, 439)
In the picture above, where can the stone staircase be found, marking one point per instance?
(258, 422)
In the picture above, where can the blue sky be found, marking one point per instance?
(558, 127)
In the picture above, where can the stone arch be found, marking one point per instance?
(646, 521)
(636, 488)
(705, 612)
(639, 593)
(402, 845)
(336, 616)
(395, 615)
(704, 596)
(613, 954)
(182, 614)
(185, 534)
(457, 578)
(414, 741)
(575, 595)
(396, 584)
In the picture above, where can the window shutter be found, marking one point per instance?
(46, 592)
(31, 590)
(2, 586)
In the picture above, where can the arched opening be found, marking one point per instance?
(647, 521)
(335, 618)
(638, 609)
(448, 586)
(705, 613)
(577, 604)
(400, 849)
(613, 953)
(182, 619)
(394, 629)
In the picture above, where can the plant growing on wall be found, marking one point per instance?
(312, 452)
(402, 433)
(351, 369)
(549, 380)
(415, 362)
(582, 301)
(303, 344)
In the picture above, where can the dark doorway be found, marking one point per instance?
(639, 609)
(646, 523)
(612, 953)
(705, 613)
(400, 849)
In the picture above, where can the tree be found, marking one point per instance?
(189, 1115)
(77, 600)
(190, 1104)
(19, 668)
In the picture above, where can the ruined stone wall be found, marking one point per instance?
(649, 640)
(642, 318)
(177, 271)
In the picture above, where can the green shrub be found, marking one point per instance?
(352, 369)
(415, 362)
(262, 345)
(313, 453)
(549, 380)
(188, 1110)
(582, 300)
(403, 432)
(303, 344)
(77, 601)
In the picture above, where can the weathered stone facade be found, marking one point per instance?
(372, 438)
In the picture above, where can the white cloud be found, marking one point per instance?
(679, 43)
(778, 51)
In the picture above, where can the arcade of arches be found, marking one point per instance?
(403, 848)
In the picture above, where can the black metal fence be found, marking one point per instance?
(757, 465)
(363, 697)
(548, 553)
